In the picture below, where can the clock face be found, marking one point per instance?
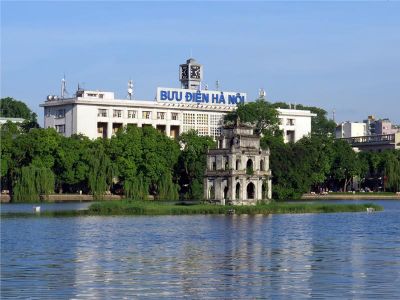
(184, 72)
(195, 72)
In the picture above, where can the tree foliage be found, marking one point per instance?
(100, 170)
(260, 113)
(31, 182)
(142, 161)
(192, 164)
(11, 108)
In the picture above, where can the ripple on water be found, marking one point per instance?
(280, 256)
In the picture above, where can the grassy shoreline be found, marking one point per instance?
(147, 208)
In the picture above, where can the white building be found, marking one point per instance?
(98, 114)
(351, 129)
(4, 120)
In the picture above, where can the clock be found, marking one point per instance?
(184, 72)
(195, 72)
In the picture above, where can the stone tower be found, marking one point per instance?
(238, 170)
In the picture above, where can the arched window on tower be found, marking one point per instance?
(250, 191)
(264, 190)
(212, 193)
(237, 191)
(249, 167)
(261, 165)
(238, 164)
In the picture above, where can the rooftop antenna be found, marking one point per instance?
(261, 93)
(295, 104)
(333, 115)
(63, 87)
(130, 89)
(217, 85)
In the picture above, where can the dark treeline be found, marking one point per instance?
(138, 162)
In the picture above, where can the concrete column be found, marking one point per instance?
(269, 189)
(232, 188)
(205, 188)
(256, 163)
(168, 130)
(109, 130)
(217, 187)
(244, 189)
(259, 190)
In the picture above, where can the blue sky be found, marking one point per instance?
(335, 55)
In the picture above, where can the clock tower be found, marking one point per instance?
(191, 74)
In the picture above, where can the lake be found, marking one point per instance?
(344, 255)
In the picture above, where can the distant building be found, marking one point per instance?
(370, 123)
(238, 170)
(384, 126)
(350, 129)
(4, 120)
(294, 123)
(375, 142)
(176, 110)
(380, 126)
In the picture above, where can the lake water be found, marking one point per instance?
(346, 255)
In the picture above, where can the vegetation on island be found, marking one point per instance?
(154, 208)
(138, 162)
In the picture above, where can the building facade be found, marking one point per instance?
(176, 110)
(377, 142)
(4, 120)
(351, 129)
(238, 170)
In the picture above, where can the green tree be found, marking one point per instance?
(159, 157)
(72, 163)
(345, 164)
(8, 132)
(32, 182)
(390, 160)
(143, 158)
(37, 147)
(11, 108)
(192, 164)
(259, 113)
(100, 170)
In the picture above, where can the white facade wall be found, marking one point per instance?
(83, 115)
(351, 129)
(295, 124)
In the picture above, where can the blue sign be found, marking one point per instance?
(205, 97)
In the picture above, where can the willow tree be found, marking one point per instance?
(392, 172)
(167, 189)
(100, 171)
(136, 188)
(32, 182)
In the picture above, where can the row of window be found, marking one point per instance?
(225, 164)
(59, 113)
(133, 114)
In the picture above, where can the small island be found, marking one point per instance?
(160, 208)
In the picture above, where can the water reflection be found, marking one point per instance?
(281, 256)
